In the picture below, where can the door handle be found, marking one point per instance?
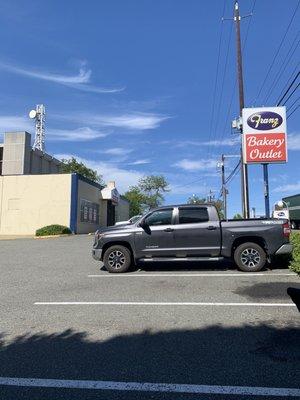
(211, 228)
(168, 230)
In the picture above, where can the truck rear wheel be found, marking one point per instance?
(250, 257)
(117, 259)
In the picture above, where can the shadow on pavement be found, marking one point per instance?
(253, 355)
(275, 290)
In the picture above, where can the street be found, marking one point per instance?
(70, 330)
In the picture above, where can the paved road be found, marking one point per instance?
(64, 318)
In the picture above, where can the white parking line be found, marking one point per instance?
(191, 275)
(151, 387)
(150, 303)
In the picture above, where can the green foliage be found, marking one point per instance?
(148, 193)
(136, 200)
(196, 200)
(53, 230)
(73, 166)
(201, 200)
(295, 262)
(237, 216)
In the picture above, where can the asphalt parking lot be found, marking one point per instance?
(70, 330)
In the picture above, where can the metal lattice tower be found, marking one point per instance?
(39, 114)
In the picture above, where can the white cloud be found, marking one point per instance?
(140, 162)
(130, 121)
(12, 123)
(294, 141)
(79, 81)
(124, 178)
(224, 142)
(75, 135)
(196, 165)
(291, 187)
(117, 151)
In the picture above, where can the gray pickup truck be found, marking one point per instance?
(191, 233)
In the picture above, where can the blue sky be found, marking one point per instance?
(128, 86)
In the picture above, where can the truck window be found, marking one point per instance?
(193, 215)
(160, 217)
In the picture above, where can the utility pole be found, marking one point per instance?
(224, 190)
(244, 167)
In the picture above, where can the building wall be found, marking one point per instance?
(16, 153)
(20, 159)
(88, 193)
(29, 202)
(122, 210)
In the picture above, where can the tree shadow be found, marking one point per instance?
(252, 355)
(275, 290)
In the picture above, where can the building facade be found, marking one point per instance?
(33, 193)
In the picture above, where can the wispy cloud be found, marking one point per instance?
(79, 81)
(11, 123)
(140, 162)
(187, 143)
(117, 151)
(75, 135)
(294, 141)
(124, 178)
(129, 121)
(196, 165)
(289, 188)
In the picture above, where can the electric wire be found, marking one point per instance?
(283, 66)
(291, 94)
(292, 112)
(288, 82)
(217, 76)
(277, 52)
(288, 89)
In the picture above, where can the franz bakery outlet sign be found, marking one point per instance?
(264, 135)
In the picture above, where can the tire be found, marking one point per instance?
(117, 259)
(250, 257)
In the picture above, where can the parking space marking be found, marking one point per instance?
(241, 274)
(151, 387)
(155, 304)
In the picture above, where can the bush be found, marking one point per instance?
(295, 262)
(53, 230)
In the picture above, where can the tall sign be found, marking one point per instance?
(264, 135)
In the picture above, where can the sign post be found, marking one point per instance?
(265, 140)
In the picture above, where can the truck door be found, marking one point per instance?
(195, 233)
(157, 240)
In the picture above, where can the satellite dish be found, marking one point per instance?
(32, 114)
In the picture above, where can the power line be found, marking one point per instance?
(288, 82)
(288, 89)
(223, 79)
(291, 113)
(283, 66)
(291, 94)
(277, 52)
(298, 98)
(217, 74)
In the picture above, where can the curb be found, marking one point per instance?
(52, 236)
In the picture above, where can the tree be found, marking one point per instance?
(153, 187)
(148, 193)
(201, 200)
(237, 216)
(196, 200)
(136, 200)
(72, 165)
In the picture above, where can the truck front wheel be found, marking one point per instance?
(117, 259)
(250, 257)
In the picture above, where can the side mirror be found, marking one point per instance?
(143, 223)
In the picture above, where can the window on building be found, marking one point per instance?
(193, 215)
(160, 217)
